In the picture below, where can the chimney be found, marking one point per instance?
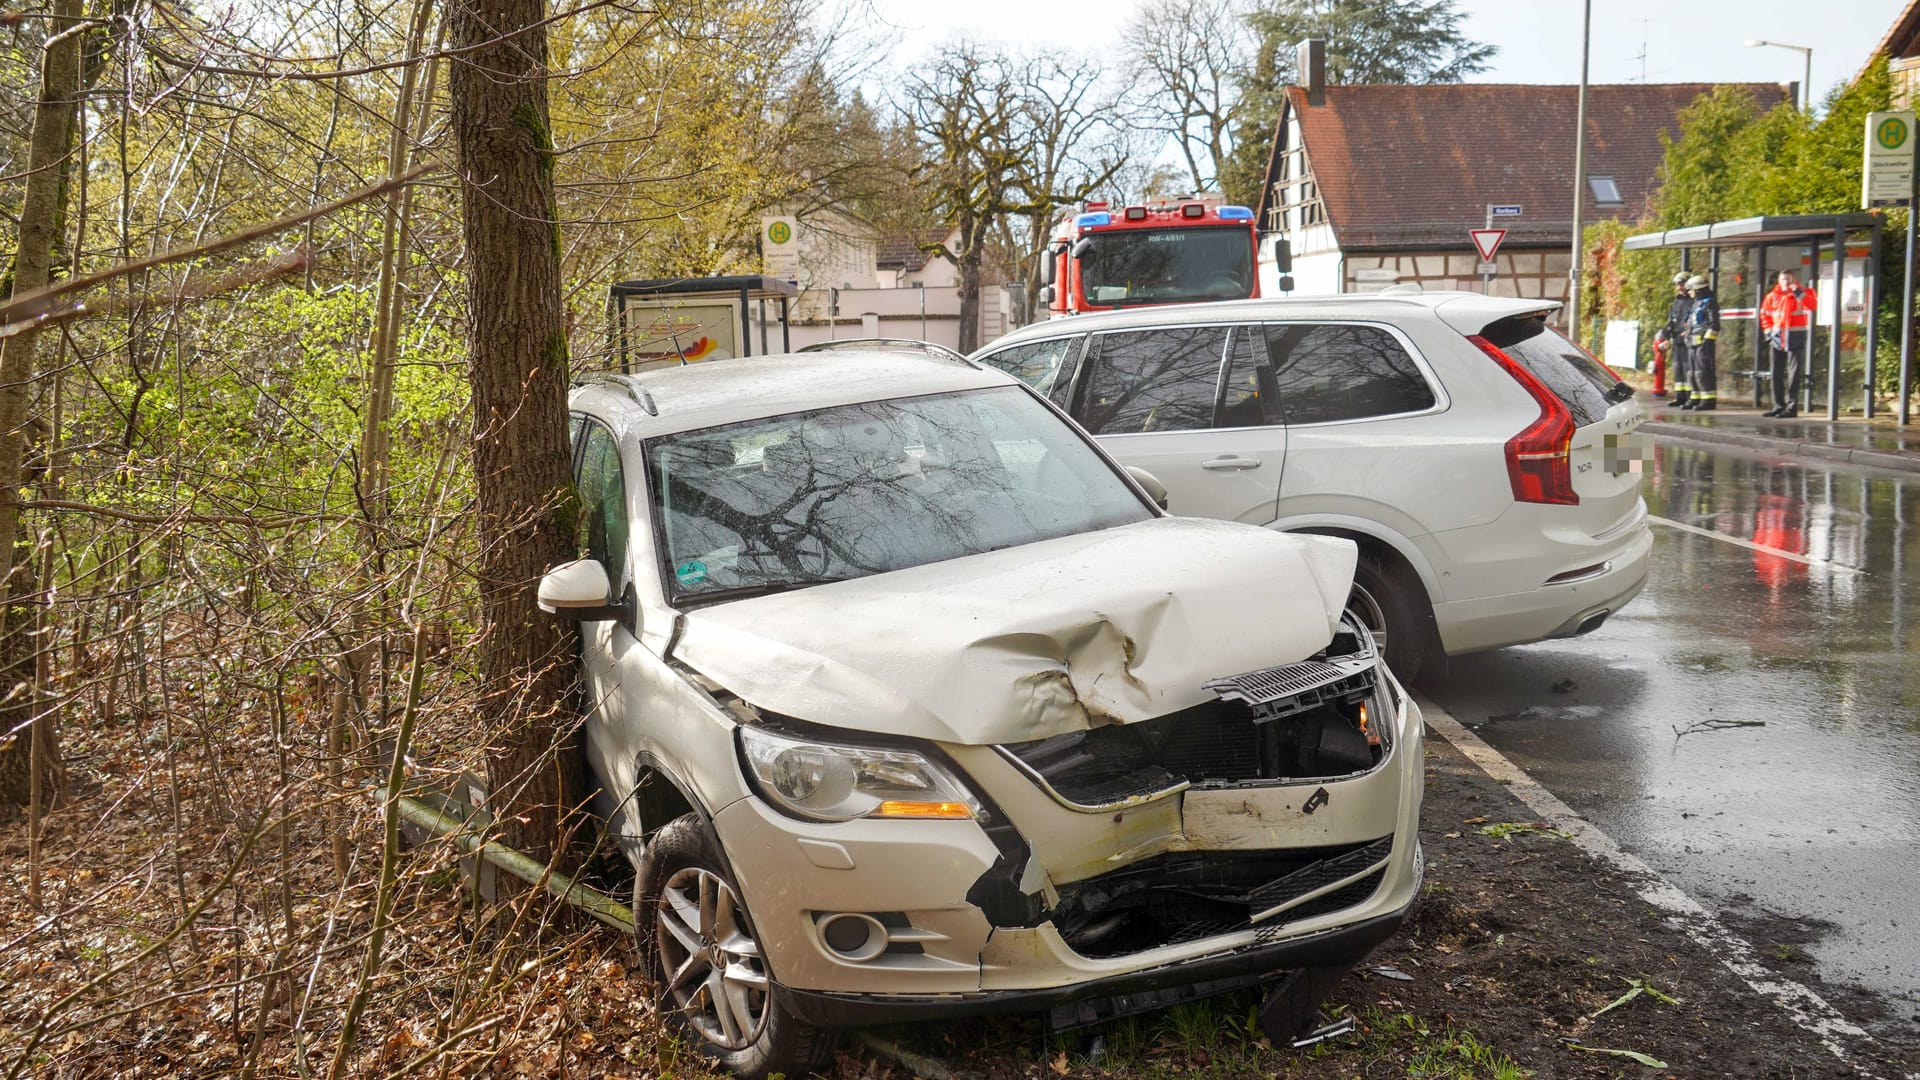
(1310, 69)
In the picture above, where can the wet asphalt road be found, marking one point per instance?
(1750, 726)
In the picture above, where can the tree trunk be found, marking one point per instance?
(517, 360)
(42, 218)
(969, 267)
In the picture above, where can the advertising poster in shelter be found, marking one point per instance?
(666, 332)
(1853, 291)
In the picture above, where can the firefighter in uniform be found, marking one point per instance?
(1703, 337)
(1674, 334)
(1785, 315)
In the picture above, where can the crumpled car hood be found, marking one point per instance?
(1115, 626)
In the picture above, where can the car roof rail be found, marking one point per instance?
(635, 392)
(939, 352)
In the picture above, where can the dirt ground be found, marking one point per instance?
(1517, 945)
(1519, 940)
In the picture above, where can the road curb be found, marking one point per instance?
(1839, 455)
(1804, 1005)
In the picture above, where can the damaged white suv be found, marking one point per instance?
(906, 702)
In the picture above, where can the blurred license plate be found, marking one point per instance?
(1620, 454)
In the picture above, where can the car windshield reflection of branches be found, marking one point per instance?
(1343, 372)
(864, 489)
(1155, 380)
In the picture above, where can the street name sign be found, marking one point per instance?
(1495, 210)
(1487, 241)
(1887, 174)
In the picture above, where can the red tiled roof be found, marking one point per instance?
(1902, 38)
(907, 251)
(1416, 166)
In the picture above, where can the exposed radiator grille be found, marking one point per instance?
(1292, 722)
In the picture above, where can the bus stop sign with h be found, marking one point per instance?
(1886, 179)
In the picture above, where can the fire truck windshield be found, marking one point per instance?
(1163, 266)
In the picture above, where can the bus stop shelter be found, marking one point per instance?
(679, 320)
(1801, 232)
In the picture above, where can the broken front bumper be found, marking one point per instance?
(972, 915)
(1108, 997)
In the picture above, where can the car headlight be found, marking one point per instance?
(834, 782)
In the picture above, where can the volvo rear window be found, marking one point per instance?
(1577, 379)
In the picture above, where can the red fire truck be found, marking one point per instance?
(1174, 251)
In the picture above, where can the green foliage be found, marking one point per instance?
(1729, 160)
(1507, 830)
(1368, 41)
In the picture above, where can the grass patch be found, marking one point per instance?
(1220, 1039)
(1507, 830)
(1426, 1050)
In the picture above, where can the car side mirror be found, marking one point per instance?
(1149, 483)
(579, 590)
(1082, 246)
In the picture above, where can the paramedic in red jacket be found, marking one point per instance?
(1785, 316)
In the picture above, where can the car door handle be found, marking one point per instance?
(1230, 462)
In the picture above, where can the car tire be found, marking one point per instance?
(688, 915)
(1393, 608)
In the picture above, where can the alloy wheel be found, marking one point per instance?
(1363, 608)
(709, 963)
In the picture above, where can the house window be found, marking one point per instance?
(1312, 210)
(1605, 191)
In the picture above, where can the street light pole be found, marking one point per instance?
(1806, 77)
(1579, 175)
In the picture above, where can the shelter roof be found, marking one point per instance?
(742, 286)
(1743, 232)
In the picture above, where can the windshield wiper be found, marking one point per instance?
(743, 592)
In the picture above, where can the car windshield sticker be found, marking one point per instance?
(691, 572)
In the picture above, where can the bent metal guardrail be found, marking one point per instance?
(466, 827)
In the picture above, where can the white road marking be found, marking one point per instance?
(1807, 1008)
(1750, 545)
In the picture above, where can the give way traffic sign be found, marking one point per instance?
(1487, 241)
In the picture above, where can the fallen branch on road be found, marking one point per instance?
(1714, 725)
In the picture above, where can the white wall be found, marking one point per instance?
(1313, 275)
(898, 313)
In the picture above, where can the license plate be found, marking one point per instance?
(1624, 453)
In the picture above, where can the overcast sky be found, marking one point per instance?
(1539, 40)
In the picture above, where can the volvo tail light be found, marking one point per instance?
(1538, 458)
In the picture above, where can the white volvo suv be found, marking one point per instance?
(1486, 466)
(906, 702)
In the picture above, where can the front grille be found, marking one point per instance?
(1188, 896)
(1320, 874)
(1337, 900)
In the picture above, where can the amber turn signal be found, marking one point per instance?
(907, 808)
